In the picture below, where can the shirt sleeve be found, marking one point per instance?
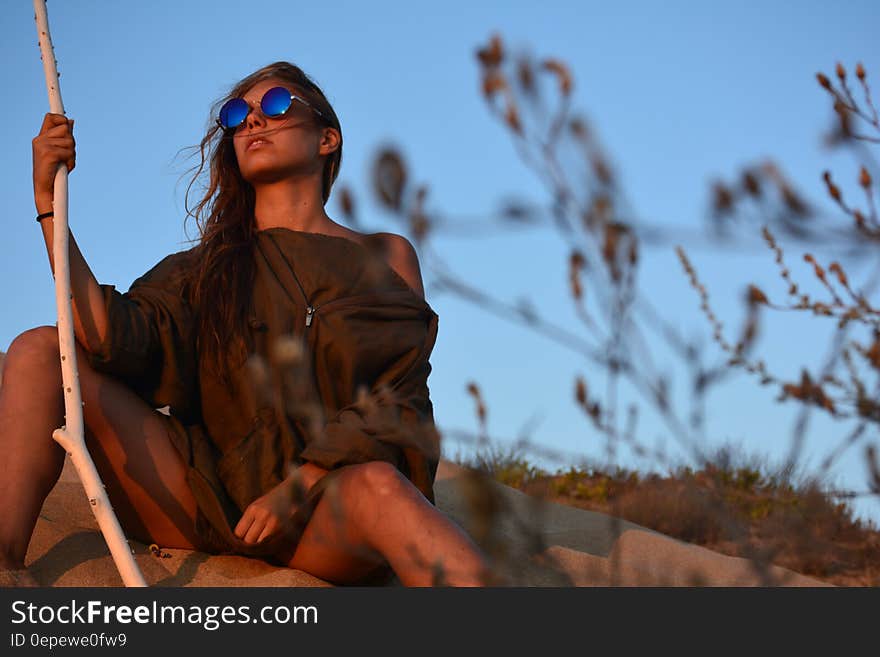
(394, 422)
(150, 340)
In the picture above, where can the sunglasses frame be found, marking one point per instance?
(251, 108)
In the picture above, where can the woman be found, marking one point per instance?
(291, 351)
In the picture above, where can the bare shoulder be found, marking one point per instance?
(396, 250)
(401, 256)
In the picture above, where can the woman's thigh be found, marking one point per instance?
(141, 469)
(327, 550)
(331, 546)
(362, 507)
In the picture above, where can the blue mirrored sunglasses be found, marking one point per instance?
(274, 103)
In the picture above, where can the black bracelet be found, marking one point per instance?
(40, 217)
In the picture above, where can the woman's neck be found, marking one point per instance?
(291, 203)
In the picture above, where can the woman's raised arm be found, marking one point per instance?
(53, 146)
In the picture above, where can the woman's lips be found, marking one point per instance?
(257, 143)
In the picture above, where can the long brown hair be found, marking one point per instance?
(222, 275)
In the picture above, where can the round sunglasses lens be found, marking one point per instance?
(233, 112)
(276, 101)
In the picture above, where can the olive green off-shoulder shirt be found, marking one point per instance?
(334, 372)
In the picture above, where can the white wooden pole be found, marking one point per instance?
(71, 436)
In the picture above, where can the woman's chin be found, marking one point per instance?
(265, 175)
(268, 175)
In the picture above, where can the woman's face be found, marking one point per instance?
(272, 149)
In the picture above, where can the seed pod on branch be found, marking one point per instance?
(601, 169)
(750, 184)
(841, 72)
(793, 201)
(419, 222)
(576, 263)
(820, 272)
(421, 195)
(614, 233)
(795, 204)
(722, 199)
(525, 76)
(346, 203)
(848, 316)
(873, 354)
(511, 116)
(756, 297)
(389, 178)
(865, 178)
(590, 408)
(868, 409)
(474, 391)
(602, 207)
(717, 326)
(808, 392)
(579, 129)
(493, 82)
(493, 54)
(833, 190)
(845, 123)
(633, 251)
(580, 391)
(562, 73)
(837, 270)
(860, 72)
(749, 332)
(824, 82)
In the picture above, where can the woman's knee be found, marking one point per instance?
(374, 479)
(40, 342)
(34, 358)
(34, 347)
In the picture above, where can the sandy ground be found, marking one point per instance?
(531, 542)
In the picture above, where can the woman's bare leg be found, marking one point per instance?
(373, 514)
(142, 471)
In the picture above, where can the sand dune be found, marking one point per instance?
(532, 542)
(535, 543)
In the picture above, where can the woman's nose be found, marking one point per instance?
(255, 117)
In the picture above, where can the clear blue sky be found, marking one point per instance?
(679, 92)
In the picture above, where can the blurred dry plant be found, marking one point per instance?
(589, 208)
(842, 389)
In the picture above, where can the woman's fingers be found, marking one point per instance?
(64, 128)
(62, 139)
(265, 515)
(60, 126)
(60, 134)
(244, 524)
(252, 527)
(58, 154)
(60, 148)
(270, 528)
(51, 120)
(54, 145)
(254, 531)
(63, 148)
